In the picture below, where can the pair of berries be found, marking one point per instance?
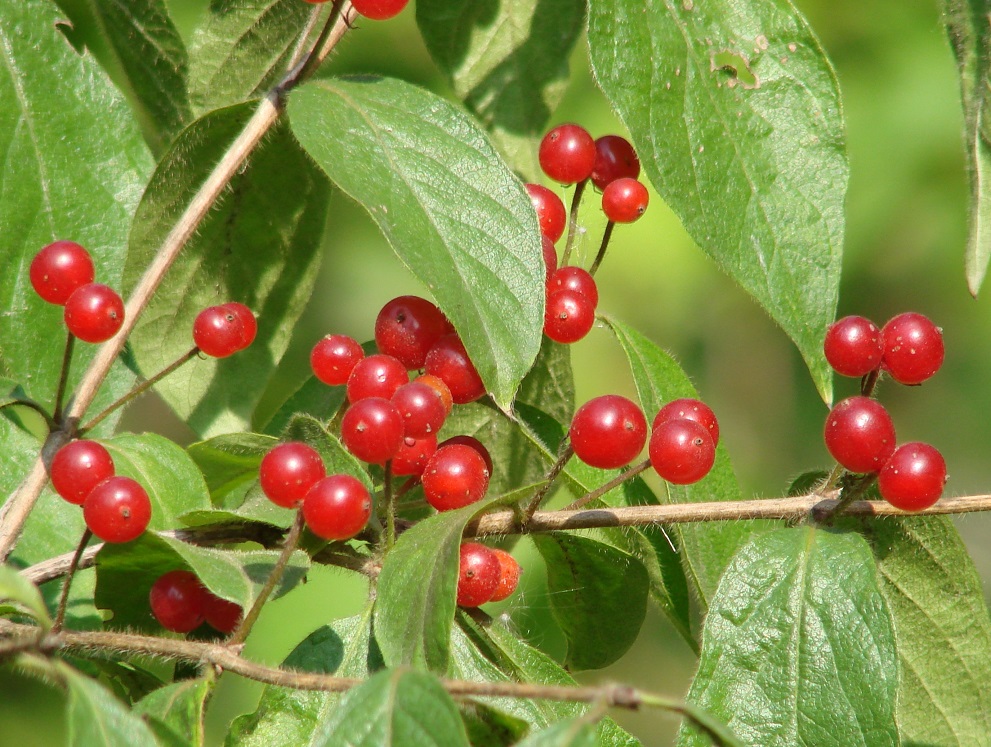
(115, 508)
(860, 435)
(377, 10)
(909, 347)
(181, 603)
(62, 273)
(335, 507)
(610, 431)
(572, 298)
(485, 574)
(220, 331)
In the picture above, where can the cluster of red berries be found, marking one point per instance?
(377, 10)
(115, 508)
(859, 432)
(569, 155)
(610, 431)
(62, 273)
(485, 574)
(181, 603)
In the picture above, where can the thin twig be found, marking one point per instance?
(613, 483)
(564, 455)
(390, 507)
(576, 199)
(63, 378)
(606, 235)
(63, 601)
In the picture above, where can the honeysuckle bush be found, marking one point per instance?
(220, 153)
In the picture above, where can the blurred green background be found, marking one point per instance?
(906, 228)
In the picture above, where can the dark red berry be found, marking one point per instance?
(378, 10)
(413, 455)
(681, 451)
(689, 409)
(222, 615)
(78, 467)
(444, 392)
(476, 445)
(478, 574)
(59, 269)
(337, 507)
(608, 431)
(913, 348)
(377, 375)
(178, 601)
(624, 200)
(288, 471)
(913, 478)
(509, 575)
(550, 211)
(421, 408)
(859, 434)
(853, 346)
(407, 327)
(614, 159)
(249, 324)
(334, 357)
(568, 316)
(576, 279)
(550, 257)
(455, 476)
(117, 510)
(448, 360)
(567, 154)
(94, 312)
(218, 331)
(372, 430)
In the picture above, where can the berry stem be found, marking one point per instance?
(63, 379)
(576, 199)
(851, 490)
(564, 455)
(869, 381)
(606, 235)
(63, 601)
(240, 634)
(606, 487)
(330, 34)
(140, 389)
(389, 499)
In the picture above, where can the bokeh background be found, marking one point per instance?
(906, 230)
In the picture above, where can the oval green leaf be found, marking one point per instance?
(178, 710)
(96, 717)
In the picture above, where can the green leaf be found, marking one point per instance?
(735, 113)
(125, 574)
(598, 595)
(413, 161)
(970, 37)
(96, 717)
(17, 589)
(242, 49)
(577, 732)
(415, 596)
(508, 62)
(313, 398)
(798, 645)
(942, 630)
(179, 708)
(707, 547)
(139, 44)
(229, 464)
(258, 247)
(63, 179)
(395, 707)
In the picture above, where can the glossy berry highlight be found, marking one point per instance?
(681, 451)
(379, 10)
(372, 430)
(551, 214)
(689, 409)
(94, 312)
(59, 269)
(448, 360)
(625, 200)
(478, 574)
(78, 467)
(117, 510)
(576, 279)
(608, 431)
(218, 331)
(178, 601)
(377, 375)
(334, 357)
(853, 346)
(567, 154)
(568, 316)
(337, 507)
(420, 407)
(859, 434)
(288, 471)
(913, 478)
(407, 327)
(913, 348)
(455, 476)
(615, 159)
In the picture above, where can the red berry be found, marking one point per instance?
(249, 324)
(455, 476)
(59, 269)
(681, 451)
(421, 408)
(509, 575)
(689, 409)
(448, 360)
(288, 471)
(913, 348)
(94, 312)
(568, 316)
(222, 615)
(576, 279)
(337, 507)
(608, 431)
(218, 331)
(550, 211)
(78, 467)
(178, 601)
(478, 574)
(442, 389)
(117, 510)
(624, 200)
(476, 445)
(334, 357)
(614, 159)
(853, 346)
(379, 10)
(859, 434)
(913, 478)
(413, 455)
(567, 154)
(372, 430)
(407, 327)
(377, 375)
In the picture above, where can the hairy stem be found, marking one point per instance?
(576, 200)
(606, 235)
(613, 483)
(63, 378)
(63, 601)
(564, 455)
(389, 499)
